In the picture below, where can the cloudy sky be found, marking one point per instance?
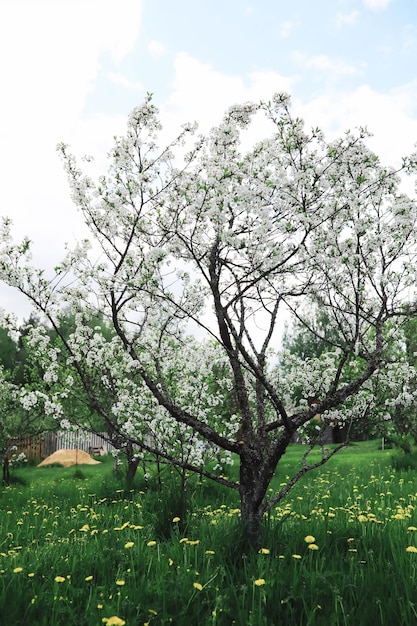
(71, 70)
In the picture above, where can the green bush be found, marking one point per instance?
(404, 462)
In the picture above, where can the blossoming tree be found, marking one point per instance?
(197, 257)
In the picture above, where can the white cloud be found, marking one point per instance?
(203, 94)
(324, 63)
(51, 53)
(391, 117)
(409, 38)
(347, 18)
(326, 67)
(124, 81)
(377, 5)
(286, 28)
(156, 48)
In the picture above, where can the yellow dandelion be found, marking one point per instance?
(198, 586)
(176, 519)
(259, 582)
(411, 528)
(411, 549)
(129, 544)
(17, 570)
(59, 579)
(313, 546)
(151, 543)
(120, 583)
(88, 578)
(210, 552)
(296, 556)
(170, 562)
(31, 575)
(309, 539)
(264, 551)
(99, 606)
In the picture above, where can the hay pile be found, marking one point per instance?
(69, 457)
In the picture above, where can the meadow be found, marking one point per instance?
(80, 547)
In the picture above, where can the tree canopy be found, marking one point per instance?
(199, 250)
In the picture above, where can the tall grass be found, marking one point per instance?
(79, 547)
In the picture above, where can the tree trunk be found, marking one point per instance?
(132, 463)
(6, 471)
(250, 504)
(406, 447)
(132, 466)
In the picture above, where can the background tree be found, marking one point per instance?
(224, 240)
(391, 411)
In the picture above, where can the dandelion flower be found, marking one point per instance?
(17, 570)
(309, 539)
(198, 586)
(151, 543)
(31, 575)
(411, 528)
(59, 579)
(210, 552)
(264, 551)
(296, 556)
(313, 546)
(259, 582)
(88, 578)
(176, 519)
(129, 544)
(120, 583)
(411, 549)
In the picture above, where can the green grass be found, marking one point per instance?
(79, 547)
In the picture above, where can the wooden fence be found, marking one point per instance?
(41, 446)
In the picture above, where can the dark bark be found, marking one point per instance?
(6, 469)
(250, 498)
(132, 463)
